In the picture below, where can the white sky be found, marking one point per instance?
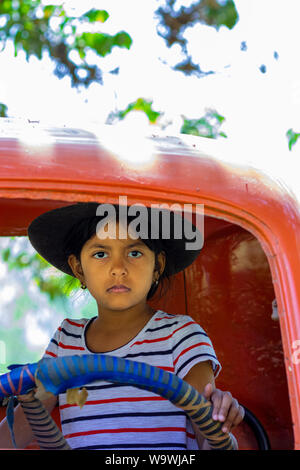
(259, 108)
(240, 91)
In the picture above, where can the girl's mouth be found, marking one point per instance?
(118, 289)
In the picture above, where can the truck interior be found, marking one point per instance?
(229, 291)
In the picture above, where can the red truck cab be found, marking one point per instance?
(243, 288)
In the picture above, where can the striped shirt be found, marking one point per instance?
(124, 417)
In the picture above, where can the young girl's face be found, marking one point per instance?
(117, 272)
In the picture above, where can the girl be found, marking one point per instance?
(122, 268)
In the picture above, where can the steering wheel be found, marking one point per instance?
(56, 375)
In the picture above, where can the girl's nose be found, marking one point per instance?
(118, 268)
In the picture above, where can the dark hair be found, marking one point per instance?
(81, 232)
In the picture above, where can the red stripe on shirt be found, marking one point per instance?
(164, 338)
(51, 353)
(69, 346)
(116, 400)
(168, 369)
(135, 430)
(163, 318)
(74, 323)
(191, 347)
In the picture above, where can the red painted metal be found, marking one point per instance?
(250, 256)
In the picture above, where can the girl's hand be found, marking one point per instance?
(225, 407)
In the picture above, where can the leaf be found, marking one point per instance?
(49, 10)
(222, 134)
(216, 14)
(81, 53)
(218, 117)
(292, 138)
(3, 110)
(101, 43)
(6, 254)
(206, 126)
(96, 15)
(6, 6)
(122, 39)
(24, 8)
(141, 105)
(263, 68)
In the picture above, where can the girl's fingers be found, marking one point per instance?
(226, 409)
(235, 416)
(240, 416)
(221, 404)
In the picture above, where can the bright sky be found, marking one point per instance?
(239, 90)
(259, 108)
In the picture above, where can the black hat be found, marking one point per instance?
(47, 234)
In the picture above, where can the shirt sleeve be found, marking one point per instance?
(192, 345)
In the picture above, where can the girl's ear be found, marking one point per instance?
(161, 258)
(75, 265)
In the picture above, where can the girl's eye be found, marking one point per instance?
(135, 253)
(102, 253)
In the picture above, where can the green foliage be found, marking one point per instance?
(3, 110)
(30, 314)
(219, 14)
(36, 28)
(96, 15)
(22, 304)
(207, 126)
(292, 138)
(173, 23)
(14, 354)
(139, 105)
(188, 67)
(102, 44)
(55, 286)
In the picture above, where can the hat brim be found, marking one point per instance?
(48, 231)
